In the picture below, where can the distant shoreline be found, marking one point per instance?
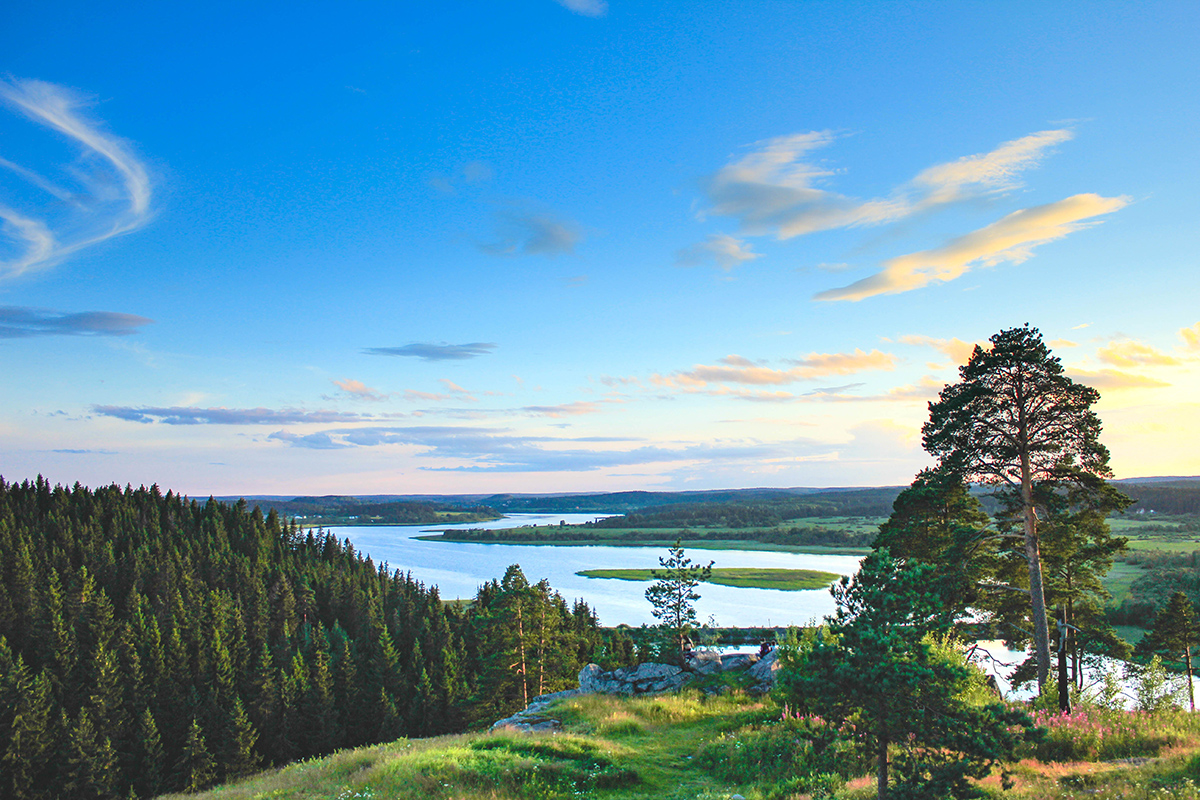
(691, 544)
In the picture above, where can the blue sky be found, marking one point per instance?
(580, 245)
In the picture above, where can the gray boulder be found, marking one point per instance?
(533, 718)
(764, 671)
(642, 679)
(706, 662)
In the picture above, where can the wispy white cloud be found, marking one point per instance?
(472, 172)
(774, 189)
(112, 196)
(1191, 337)
(1129, 353)
(458, 391)
(738, 370)
(1113, 380)
(1010, 239)
(413, 395)
(955, 349)
(227, 416)
(994, 172)
(926, 388)
(588, 8)
(360, 390)
(534, 233)
(727, 251)
(563, 410)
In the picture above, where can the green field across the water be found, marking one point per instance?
(742, 577)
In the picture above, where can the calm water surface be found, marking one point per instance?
(458, 569)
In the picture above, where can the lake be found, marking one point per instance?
(459, 568)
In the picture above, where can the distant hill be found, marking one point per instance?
(758, 506)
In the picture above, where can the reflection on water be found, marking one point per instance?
(459, 568)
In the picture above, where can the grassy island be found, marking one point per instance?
(790, 580)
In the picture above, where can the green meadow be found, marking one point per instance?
(742, 577)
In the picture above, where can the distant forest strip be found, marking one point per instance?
(741, 577)
(783, 503)
(806, 536)
(733, 508)
(1163, 498)
(151, 643)
(341, 510)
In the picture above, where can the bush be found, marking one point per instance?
(790, 755)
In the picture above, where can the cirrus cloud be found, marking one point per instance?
(739, 370)
(588, 8)
(110, 194)
(360, 390)
(1191, 337)
(721, 248)
(1135, 354)
(1114, 380)
(1010, 239)
(180, 415)
(773, 189)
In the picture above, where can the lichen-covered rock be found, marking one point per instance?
(731, 661)
(763, 672)
(642, 679)
(706, 662)
(532, 719)
(591, 680)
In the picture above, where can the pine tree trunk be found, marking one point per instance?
(542, 653)
(881, 769)
(1187, 653)
(521, 654)
(1037, 596)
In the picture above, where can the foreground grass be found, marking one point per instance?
(616, 748)
(743, 577)
(695, 746)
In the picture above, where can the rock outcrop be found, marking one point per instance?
(533, 718)
(763, 671)
(644, 679)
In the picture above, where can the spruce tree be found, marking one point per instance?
(195, 769)
(241, 758)
(149, 757)
(30, 739)
(1174, 635)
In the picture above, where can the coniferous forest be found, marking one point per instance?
(153, 643)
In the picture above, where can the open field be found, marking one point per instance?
(749, 578)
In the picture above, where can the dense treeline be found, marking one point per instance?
(1181, 497)
(334, 509)
(151, 643)
(790, 503)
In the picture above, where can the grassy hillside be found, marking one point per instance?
(697, 746)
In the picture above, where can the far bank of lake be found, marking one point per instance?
(459, 568)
